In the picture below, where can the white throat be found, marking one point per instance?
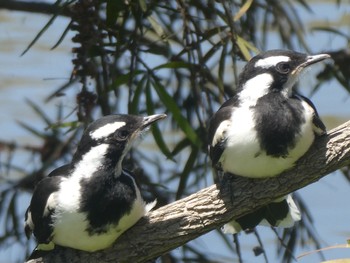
(255, 88)
(91, 161)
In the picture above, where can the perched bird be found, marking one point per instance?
(90, 202)
(265, 128)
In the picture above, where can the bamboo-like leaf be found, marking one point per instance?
(184, 143)
(60, 90)
(331, 30)
(221, 69)
(176, 112)
(212, 51)
(244, 46)
(32, 130)
(134, 104)
(71, 125)
(43, 30)
(213, 32)
(143, 5)
(157, 27)
(65, 32)
(173, 65)
(112, 11)
(123, 79)
(186, 172)
(13, 215)
(157, 135)
(243, 10)
(39, 111)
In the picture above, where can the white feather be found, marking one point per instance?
(242, 146)
(71, 225)
(293, 216)
(271, 61)
(106, 130)
(255, 88)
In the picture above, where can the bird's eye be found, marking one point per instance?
(283, 68)
(121, 135)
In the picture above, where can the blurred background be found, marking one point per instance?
(64, 63)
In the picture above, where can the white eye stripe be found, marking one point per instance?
(106, 130)
(271, 61)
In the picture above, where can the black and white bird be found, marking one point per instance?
(90, 202)
(265, 128)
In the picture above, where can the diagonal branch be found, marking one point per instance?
(35, 7)
(177, 223)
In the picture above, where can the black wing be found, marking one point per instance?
(64, 171)
(38, 215)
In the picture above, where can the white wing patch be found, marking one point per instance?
(106, 130)
(50, 204)
(220, 132)
(271, 61)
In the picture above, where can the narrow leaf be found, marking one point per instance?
(43, 30)
(135, 102)
(173, 65)
(243, 10)
(157, 135)
(39, 111)
(186, 172)
(65, 32)
(175, 110)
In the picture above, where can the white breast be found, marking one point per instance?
(242, 155)
(70, 225)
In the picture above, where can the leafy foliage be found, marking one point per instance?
(178, 57)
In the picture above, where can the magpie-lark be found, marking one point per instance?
(265, 128)
(90, 202)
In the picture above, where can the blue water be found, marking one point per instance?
(38, 73)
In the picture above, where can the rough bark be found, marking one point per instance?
(177, 223)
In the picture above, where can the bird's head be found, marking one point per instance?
(107, 140)
(274, 71)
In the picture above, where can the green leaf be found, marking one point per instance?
(39, 112)
(186, 172)
(71, 125)
(135, 102)
(32, 130)
(124, 79)
(331, 30)
(157, 134)
(65, 32)
(244, 46)
(60, 90)
(243, 10)
(222, 68)
(157, 27)
(112, 11)
(212, 51)
(180, 146)
(176, 112)
(173, 65)
(212, 32)
(43, 30)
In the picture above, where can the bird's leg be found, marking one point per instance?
(226, 184)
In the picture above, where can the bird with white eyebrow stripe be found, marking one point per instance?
(90, 202)
(265, 128)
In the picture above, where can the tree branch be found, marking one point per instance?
(35, 7)
(177, 223)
